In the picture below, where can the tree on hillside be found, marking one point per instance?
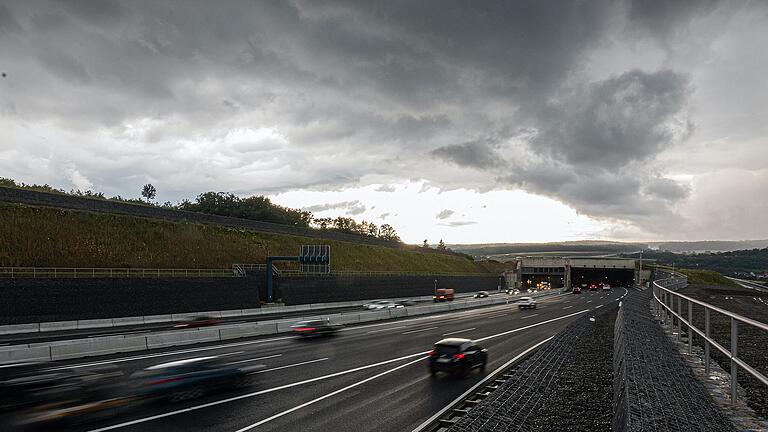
(387, 232)
(441, 245)
(426, 244)
(149, 192)
(258, 208)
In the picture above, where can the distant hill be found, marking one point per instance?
(578, 247)
(709, 245)
(751, 263)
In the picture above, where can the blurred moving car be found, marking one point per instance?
(188, 379)
(481, 294)
(457, 356)
(576, 290)
(198, 321)
(526, 303)
(318, 327)
(35, 396)
(512, 291)
(443, 294)
(606, 287)
(382, 304)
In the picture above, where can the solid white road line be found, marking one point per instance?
(459, 331)
(386, 329)
(311, 380)
(419, 330)
(598, 307)
(567, 307)
(331, 394)
(125, 359)
(254, 359)
(479, 384)
(292, 365)
(529, 316)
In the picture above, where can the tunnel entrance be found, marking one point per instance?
(615, 277)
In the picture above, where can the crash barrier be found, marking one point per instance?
(665, 298)
(620, 408)
(102, 345)
(106, 272)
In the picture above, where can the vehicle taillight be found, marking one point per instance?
(431, 353)
(303, 329)
(458, 356)
(161, 381)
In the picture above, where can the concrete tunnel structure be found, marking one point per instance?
(574, 271)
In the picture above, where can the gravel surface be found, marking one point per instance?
(660, 390)
(752, 342)
(567, 385)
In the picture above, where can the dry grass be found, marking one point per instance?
(48, 237)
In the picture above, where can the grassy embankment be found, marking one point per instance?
(48, 237)
(703, 277)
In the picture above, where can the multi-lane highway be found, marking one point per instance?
(367, 378)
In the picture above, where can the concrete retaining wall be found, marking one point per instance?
(62, 304)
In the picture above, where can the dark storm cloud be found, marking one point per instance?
(473, 155)
(395, 89)
(666, 189)
(623, 119)
(661, 17)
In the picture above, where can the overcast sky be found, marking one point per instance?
(464, 121)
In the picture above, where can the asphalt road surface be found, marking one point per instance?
(25, 338)
(369, 377)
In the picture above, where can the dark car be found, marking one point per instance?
(481, 294)
(457, 356)
(189, 379)
(37, 396)
(198, 321)
(318, 327)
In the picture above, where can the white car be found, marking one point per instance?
(606, 287)
(382, 304)
(526, 303)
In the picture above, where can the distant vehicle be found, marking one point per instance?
(526, 303)
(531, 290)
(577, 290)
(384, 304)
(381, 304)
(512, 291)
(606, 287)
(188, 379)
(593, 287)
(198, 321)
(443, 294)
(481, 294)
(318, 327)
(457, 356)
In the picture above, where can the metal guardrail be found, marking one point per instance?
(381, 273)
(63, 272)
(664, 302)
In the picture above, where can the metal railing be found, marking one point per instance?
(103, 272)
(352, 273)
(664, 302)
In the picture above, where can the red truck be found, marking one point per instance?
(443, 294)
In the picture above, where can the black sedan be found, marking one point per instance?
(188, 379)
(318, 327)
(457, 356)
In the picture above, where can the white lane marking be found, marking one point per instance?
(311, 380)
(478, 385)
(419, 330)
(567, 307)
(459, 331)
(331, 394)
(589, 301)
(529, 316)
(598, 307)
(386, 329)
(254, 359)
(248, 395)
(497, 316)
(292, 365)
(125, 359)
(118, 334)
